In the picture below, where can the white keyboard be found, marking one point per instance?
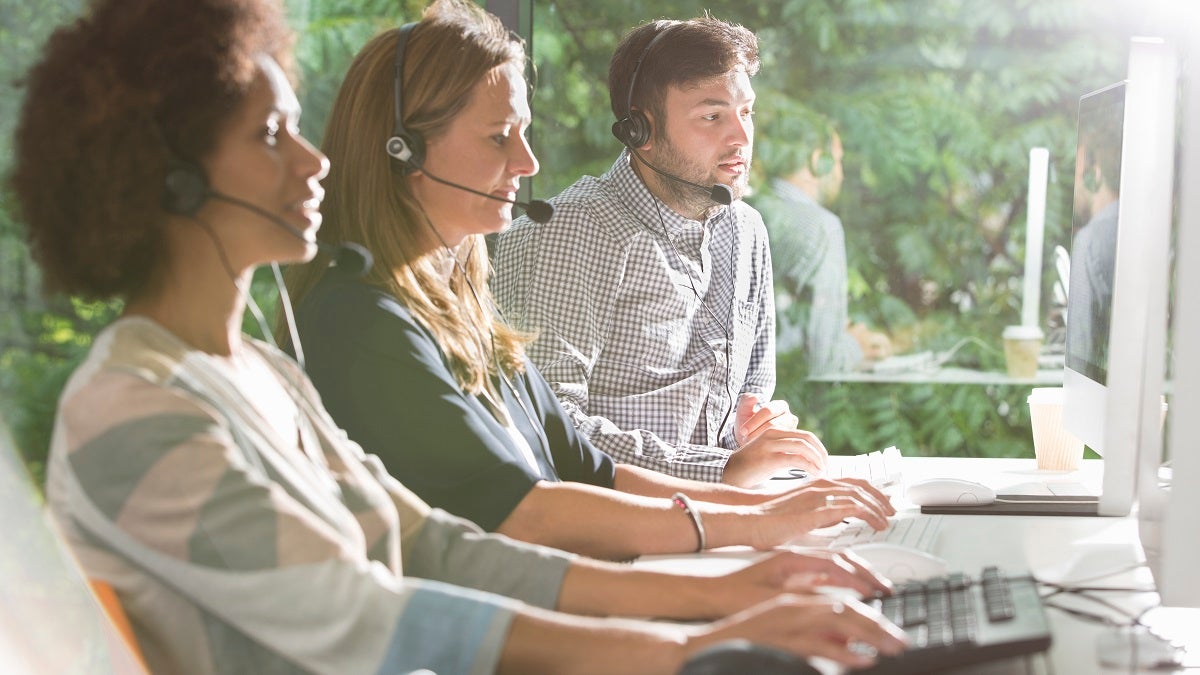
(882, 467)
(919, 532)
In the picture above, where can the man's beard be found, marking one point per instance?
(693, 199)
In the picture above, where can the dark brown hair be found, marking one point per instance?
(692, 51)
(118, 93)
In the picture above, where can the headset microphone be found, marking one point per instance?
(537, 210)
(719, 192)
(350, 258)
(186, 189)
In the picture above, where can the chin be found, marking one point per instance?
(303, 252)
(495, 222)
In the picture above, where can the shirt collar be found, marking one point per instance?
(644, 205)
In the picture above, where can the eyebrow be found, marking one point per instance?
(719, 103)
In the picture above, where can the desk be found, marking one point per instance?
(946, 375)
(1056, 549)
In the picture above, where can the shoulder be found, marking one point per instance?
(134, 394)
(588, 214)
(750, 221)
(340, 307)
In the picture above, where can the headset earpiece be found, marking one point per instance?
(185, 188)
(823, 164)
(404, 145)
(634, 128)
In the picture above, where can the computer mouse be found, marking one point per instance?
(900, 563)
(949, 492)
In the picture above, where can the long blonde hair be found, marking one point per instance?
(369, 201)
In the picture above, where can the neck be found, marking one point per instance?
(685, 200)
(195, 299)
(806, 183)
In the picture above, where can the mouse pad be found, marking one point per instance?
(1024, 505)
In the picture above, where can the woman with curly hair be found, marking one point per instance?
(194, 470)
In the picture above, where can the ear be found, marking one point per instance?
(651, 127)
(814, 160)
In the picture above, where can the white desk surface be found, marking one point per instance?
(1063, 549)
(946, 375)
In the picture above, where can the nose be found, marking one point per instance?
(523, 162)
(741, 132)
(310, 162)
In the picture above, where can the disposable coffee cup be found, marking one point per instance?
(1056, 448)
(1022, 346)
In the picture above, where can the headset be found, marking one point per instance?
(404, 145)
(634, 128)
(186, 188)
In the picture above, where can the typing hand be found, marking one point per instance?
(809, 625)
(821, 503)
(752, 417)
(797, 572)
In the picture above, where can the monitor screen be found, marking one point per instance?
(1096, 202)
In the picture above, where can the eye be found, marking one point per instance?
(500, 139)
(711, 117)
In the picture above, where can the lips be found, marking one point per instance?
(508, 193)
(734, 165)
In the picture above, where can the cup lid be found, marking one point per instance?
(1022, 333)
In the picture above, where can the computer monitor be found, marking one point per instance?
(1169, 476)
(1121, 224)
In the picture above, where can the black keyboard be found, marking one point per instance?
(957, 620)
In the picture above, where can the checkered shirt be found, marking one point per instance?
(648, 368)
(808, 250)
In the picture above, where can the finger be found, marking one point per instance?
(865, 493)
(746, 405)
(867, 510)
(774, 414)
(862, 485)
(876, 494)
(839, 632)
(820, 447)
(805, 571)
(867, 580)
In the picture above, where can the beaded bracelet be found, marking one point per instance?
(684, 502)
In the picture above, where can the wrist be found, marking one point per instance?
(732, 525)
(684, 503)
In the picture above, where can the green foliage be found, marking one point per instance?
(937, 102)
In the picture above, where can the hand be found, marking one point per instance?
(820, 503)
(752, 417)
(795, 572)
(772, 451)
(809, 626)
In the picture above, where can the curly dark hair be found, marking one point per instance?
(119, 93)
